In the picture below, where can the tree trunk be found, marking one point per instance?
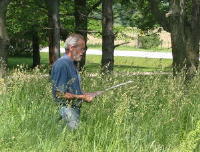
(193, 38)
(192, 55)
(54, 30)
(185, 38)
(183, 24)
(107, 61)
(178, 36)
(159, 15)
(81, 19)
(3, 37)
(36, 51)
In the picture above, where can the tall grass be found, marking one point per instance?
(154, 113)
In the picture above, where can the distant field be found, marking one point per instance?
(131, 48)
(95, 42)
(130, 35)
(131, 64)
(93, 63)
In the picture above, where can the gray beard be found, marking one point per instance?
(76, 57)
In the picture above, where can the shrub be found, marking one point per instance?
(20, 47)
(149, 41)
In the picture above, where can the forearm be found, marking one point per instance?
(73, 96)
(70, 96)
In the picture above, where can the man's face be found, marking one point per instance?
(78, 50)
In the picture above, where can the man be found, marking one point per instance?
(66, 81)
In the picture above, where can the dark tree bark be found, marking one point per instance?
(185, 33)
(160, 16)
(36, 51)
(3, 37)
(192, 40)
(185, 37)
(107, 61)
(81, 19)
(177, 37)
(64, 33)
(54, 30)
(81, 27)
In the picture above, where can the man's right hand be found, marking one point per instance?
(88, 97)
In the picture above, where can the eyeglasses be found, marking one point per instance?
(79, 48)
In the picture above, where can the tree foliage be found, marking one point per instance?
(24, 18)
(3, 37)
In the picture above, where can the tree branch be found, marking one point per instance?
(95, 18)
(94, 6)
(160, 17)
(66, 14)
(128, 36)
(120, 44)
(89, 32)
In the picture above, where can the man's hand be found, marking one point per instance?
(94, 94)
(90, 96)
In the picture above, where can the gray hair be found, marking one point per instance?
(72, 40)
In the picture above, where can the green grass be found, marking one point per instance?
(130, 64)
(154, 113)
(130, 48)
(93, 63)
(14, 61)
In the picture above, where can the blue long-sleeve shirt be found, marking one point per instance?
(65, 77)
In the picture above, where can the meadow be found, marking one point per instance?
(156, 113)
(132, 48)
(93, 63)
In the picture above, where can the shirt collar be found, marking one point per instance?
(66, 56)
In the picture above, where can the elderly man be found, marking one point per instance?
(66, 81)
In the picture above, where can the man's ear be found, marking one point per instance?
(70, 48)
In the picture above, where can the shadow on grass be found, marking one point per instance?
(140, 68)
(95, 67)
(26, 62)
(13, 62)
